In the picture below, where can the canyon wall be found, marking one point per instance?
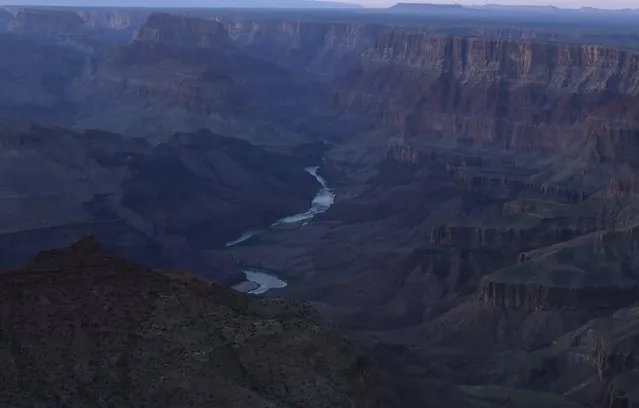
(114, 19)
(43, 20)
(46, 21)
(490, 91)
(596, 271)
(318, 47)
(496, 92)
(172, 30)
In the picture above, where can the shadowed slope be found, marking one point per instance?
(84, 327)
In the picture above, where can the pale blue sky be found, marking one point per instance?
(613, 4)
(559, 3)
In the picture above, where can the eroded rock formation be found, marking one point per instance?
(39, 21)
(316, 46)
(186, 31)
(592, 272)
(496, 92)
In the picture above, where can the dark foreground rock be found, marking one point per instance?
(83, 327)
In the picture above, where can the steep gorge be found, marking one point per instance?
(479, 216)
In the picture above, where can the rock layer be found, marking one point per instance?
(592, 272)
(496, 92)
(175, 30)
(38, 21)
(316, 46)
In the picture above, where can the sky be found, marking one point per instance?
(609, 4)
(560, 3)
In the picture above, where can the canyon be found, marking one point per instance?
(481, 248)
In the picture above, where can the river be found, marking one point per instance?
(260, 280)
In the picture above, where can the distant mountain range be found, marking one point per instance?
(191, 3)
(438, 8)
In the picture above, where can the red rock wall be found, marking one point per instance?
(497, 92)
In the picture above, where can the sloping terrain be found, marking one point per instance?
(84, 327)
(161, 202)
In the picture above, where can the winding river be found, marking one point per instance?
(258, 281)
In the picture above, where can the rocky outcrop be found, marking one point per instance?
(622, 392)
(169, 76)
(617, 352)
(545, 297)
(321, 47)
(613, 39)
(185, 67)
(176, 31)
(507, 184)
(508, 94)
(91, 27)
(100, 325)
(34, 81)
(113, 19)
(592, 272)
(166, 66)
(510, 239)
(43, 21)
(5, 19)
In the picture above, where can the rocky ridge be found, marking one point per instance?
(142, 336)
(163, 205)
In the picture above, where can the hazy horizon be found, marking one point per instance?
(603, 4)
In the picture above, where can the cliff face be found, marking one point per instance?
(592, 272)
(113, 19)
(510, 184)
(318, 47)
(35, 79)
(497, 92)
(165, 75)
(188, 69)
(5, 19)
(508, 239)
(175, 64)
(172, 30)
(66, 20)
(37, 21)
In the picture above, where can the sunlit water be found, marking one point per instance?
(265, 281)
(322, 201)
